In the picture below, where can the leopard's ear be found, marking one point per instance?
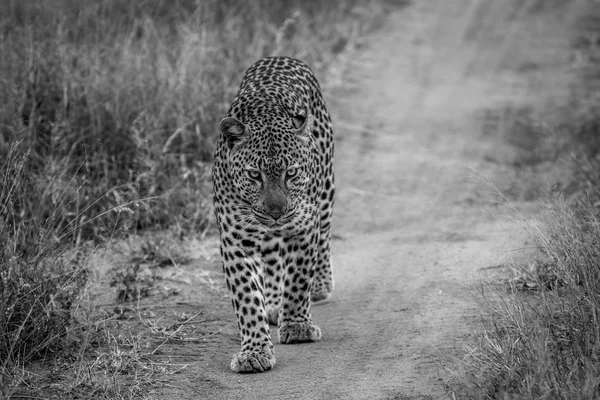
(303, 123)
(299, 119)
(234, 131)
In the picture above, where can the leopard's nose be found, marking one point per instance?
(275, 206)
(275, 202)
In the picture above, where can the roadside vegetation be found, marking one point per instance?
(107, 125)
(541, 334)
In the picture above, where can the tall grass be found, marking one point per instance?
(541, 333)
(96, 89)
(39, 285)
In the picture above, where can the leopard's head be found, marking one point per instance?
(271, 161)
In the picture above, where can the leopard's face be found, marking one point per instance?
(271, 165)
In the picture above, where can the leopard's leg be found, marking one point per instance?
(295, 322)
(323, 279)
(271, 260)
(245, 282)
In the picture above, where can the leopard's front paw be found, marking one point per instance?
(298, 332)
(253, 361)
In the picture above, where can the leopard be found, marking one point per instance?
(273, 196)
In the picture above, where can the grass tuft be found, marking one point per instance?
(40, 284)
(543, 342)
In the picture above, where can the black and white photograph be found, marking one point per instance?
(299, 199)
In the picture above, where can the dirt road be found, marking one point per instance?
(424, 99)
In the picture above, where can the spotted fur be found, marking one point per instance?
(273, 197)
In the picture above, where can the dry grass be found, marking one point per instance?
(39, 284)
(122, 97)
(541, 329)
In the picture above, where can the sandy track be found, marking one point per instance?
(410, 229)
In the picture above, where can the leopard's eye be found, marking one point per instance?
(292, 172)
(254, 174)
